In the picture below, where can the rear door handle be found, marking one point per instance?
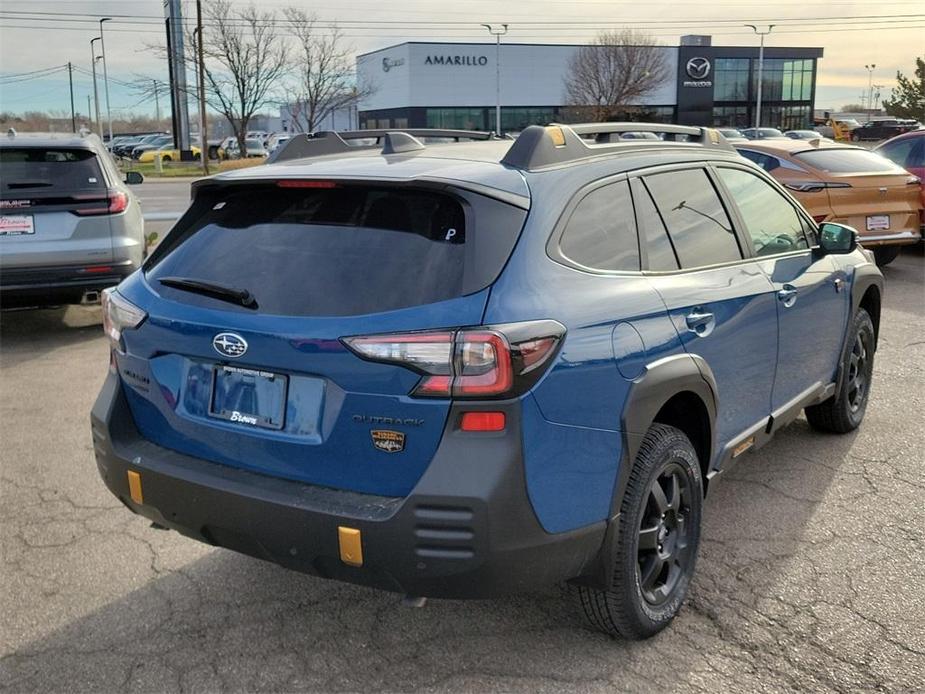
(787, 295)
(700, 323)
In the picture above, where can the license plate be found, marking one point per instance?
(878, 222)
(16, 224)
(249, 397)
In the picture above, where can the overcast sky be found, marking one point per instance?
(58, 31)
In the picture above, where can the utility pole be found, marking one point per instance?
(870, 88)
(106, 75)
(89, 112)
(70, 81)
(762, 34)
(96, 94)
(497, 33)
(200, 72)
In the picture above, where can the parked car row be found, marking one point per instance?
(879, 196)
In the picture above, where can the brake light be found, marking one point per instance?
(815, 186)
(305, 184)
(114, 202)
(490, 362)
(119, 314)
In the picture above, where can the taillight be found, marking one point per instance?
(820, 218)
(114, 202)
(119, 314)
(490, 362)
(815, 186)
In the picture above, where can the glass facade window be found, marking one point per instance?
(456, 118)
(785, 80)
(731, 116)
(730, 81)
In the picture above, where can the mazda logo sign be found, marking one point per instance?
(698, 68)
(229, 345)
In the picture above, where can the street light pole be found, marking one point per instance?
(870, 88)
(96, 94)
(762, 34)
(497, 33)
(106, 76)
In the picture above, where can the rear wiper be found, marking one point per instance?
(28, 184)
(216, 291)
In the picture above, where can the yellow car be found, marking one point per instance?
(165, 153)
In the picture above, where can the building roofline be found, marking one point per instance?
(488, 44)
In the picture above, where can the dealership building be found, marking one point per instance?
(453, 85)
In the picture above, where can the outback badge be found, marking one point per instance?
(388, 441)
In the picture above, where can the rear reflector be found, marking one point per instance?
(482, 421)
(306, 184)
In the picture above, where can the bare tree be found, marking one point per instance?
(325, 81)
(245, 60)
(616, 71)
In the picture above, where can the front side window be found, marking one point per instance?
(699, 227)
(771, 221)
(601, 232)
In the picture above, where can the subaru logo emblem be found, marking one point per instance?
(229, 345)
(698, 68)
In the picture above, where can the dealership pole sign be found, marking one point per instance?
(698, 69)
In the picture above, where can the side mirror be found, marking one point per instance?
(133, 178)
(837, 238)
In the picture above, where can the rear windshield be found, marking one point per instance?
(346, 250)
(48, 168)
(848, 161)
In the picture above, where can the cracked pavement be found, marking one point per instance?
(811, 574)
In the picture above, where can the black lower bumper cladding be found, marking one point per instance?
(467, 530)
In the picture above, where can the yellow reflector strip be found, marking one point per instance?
(134, 487)
(558, 137)
(744, 446)
(351, 546)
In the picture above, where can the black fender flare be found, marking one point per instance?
(866, 275)
(660, 381)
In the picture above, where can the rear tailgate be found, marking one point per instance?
(53, 208)
(272, 388)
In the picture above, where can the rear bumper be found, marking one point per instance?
(892, 239)
(467, 530)
(59, 284)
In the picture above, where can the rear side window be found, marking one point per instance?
(601, 232)
(345, 250)
(848, 161)
(699, 227)
(652, 233)
(908, 152)
(41, 168)
(765, 161)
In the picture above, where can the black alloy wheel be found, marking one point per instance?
(664, 555)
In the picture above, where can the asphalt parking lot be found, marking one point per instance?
(810, 576)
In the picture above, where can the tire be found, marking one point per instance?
(844, 411)
(855, 137)
(884, 255)
(644, 595)
(165, 158)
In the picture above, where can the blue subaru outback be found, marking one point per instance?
(460, 369)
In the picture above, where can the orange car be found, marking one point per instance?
(848, 185)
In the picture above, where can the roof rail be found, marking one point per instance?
(392, 141)
(538, 147)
